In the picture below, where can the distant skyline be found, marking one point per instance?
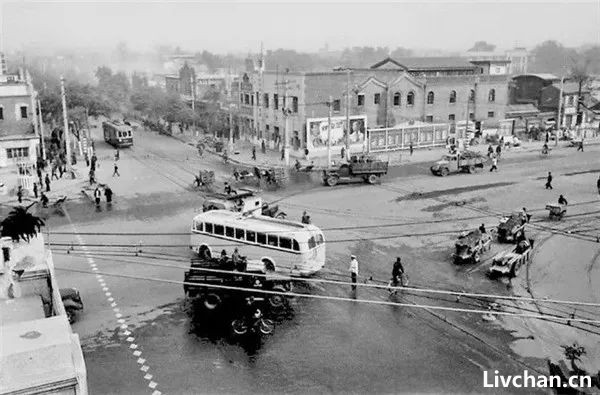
(238, 27)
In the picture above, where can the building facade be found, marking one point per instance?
(391, 92)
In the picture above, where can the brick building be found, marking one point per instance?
(391, 92)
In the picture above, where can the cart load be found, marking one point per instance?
(470, 246)
(509, 263)
(511, 228)
(556, 211)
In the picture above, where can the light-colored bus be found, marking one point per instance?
(287, 247)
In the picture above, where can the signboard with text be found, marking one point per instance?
(317, 131)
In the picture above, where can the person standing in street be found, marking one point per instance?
(39, 172)
(97, 196)
(254, 152)
(562, 200)
(494, 163)
(410, 148)
(47, 180)
(305, 218)
(498, 151)
(54, 166)
(343, 152)
(109, 194)
(580, 148)
(20, 194)
(44, 200)
(549, 181)
(117, 155)
(263, 148)
(35, 190)
(282, 153)
(353, 269)
(116, 170)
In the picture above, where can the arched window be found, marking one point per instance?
(397, 99)
(430, 97)
(410, 98)
(453, 97)
(492, 95)
(472, 95)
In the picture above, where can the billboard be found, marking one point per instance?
(317, 131)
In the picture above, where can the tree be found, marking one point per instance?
(573, 353)
(579, 73)
(551, 57)
(20, 224)
(401, 52)
(482, 46)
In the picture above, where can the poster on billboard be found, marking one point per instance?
(317, 131)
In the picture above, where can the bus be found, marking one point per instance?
(283, 246)
(117, 134)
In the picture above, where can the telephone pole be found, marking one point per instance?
(347, 114)
(330, 105)
(560, 106)
(39, 107)
(65, 122)
(286, 133)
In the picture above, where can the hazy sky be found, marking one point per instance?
(241, 26)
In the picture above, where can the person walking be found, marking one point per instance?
(20, 194)
(549, 181)
(39, 172)
(44, 200)
(353, 269)
(343, 152)
(117, 155)
(263, 148)
(490, 150)
(494, 163)
(254, 152)
(35, 190)
(60, 169)
(482, 228)
(598, 184)
(109, 194)
(282, 153)
(498, 151)
(410, 148)
(116, 170)
(97, 196)
(580, 147)
(305, 218)
(397, 272)
(54, 166)
(92, 177)
(47, 181)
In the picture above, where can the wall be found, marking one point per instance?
(32, 144)
(12, 123)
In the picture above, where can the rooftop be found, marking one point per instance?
(427, 63)
(543, 76)
(264, 223)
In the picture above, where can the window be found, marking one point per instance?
(377, 98)
(229, 231)
(198, 226)
(208, 228)
(451, 117)
(397, 99)
(219, 230)
(429, 118)
(430, 97)
(312, 243)
(320, 239)
(239, 234)
(1, 112)
(492, 95)
(361, 99)
(410, 99)
(294, 104)
(453, 97)
(272, 241)
(295, 245)
(336, 105)
(286, 243)
(490, 114)
(261, 238)
(23, 112)
(472, 95)
(276, 101)
(251, 236)
(266, 100)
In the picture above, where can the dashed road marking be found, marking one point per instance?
(141, 361)
(145, 368)
(152, 385)
(148, 376)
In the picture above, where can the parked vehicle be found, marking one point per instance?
(470, 246)
(556, 211)
(509, 263)
(467, 161)
(365, 168)
(244, 200)
(117, 134)
(511, 228)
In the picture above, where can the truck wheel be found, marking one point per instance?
(211, 301)
(444, 172)
(372, 179)
(332, 181)
(471, 169)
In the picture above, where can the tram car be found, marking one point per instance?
(117, 134)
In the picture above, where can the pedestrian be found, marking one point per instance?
(54, 166)
(35, 190)
(87, 160)
(263, 148)
(482, 228)
(20, 194)
(494, 163)
(343, 152)
(39, 172)
(397, 272)
(549, 181)
(116, 170)
(227, 188)
(598, 184)
(97, 196)
(282, 153)
(490, 151)
(47, 180)
(306, 154)
(353, 269)
(94, 159)
(254, 152)
(526, 215)
(580, 148)
(410, 148)
(92, 177)
(305, 218)
(44, 200)
(236, 174)
(562, 200)
(499, 151)
(60, 170)
(117, 155)
(109, 194)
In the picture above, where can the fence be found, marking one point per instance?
(397, 138)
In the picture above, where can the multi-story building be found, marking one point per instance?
(517, 59)
(391, 92)
(18, 140)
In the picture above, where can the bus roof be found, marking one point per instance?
(117, 124)
(255, 222)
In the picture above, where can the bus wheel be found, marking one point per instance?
(204, 253)
(269, 265)
(211, 301)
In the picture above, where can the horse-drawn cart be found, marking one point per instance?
(556, 211)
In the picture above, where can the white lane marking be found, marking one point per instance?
(145, 368)
(141, 361)
(148, 376)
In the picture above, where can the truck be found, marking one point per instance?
(470, 246)
(509, 263)
(364, 167)
(461, 162)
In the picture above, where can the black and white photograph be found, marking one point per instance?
(299, 197)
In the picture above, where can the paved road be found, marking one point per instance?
(318, 346)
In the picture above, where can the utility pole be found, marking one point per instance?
(193, 91)
(330, 105)
(347, 114)
(65, 122)
(39, 107)
(560, 106)
(286, 133)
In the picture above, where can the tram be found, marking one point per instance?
(117, 134)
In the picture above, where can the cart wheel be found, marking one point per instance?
(332, 181)
(372, 179)
(281, 215)
(444, 172)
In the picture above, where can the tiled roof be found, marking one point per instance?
(428, 63)
(543, 76)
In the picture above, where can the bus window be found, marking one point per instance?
(199, 226)
(319, 239)
(208, 228)
(273, 241)
(286, 243)
(229, 232)
(219, 230)
(239, 234)
(261, 238)
(311, 243)
(251, 236)
(296, 246)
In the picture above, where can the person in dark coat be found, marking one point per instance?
(562, 200)
(397, 272)
(254, 153)
(47, 181)
(410, 148)
(35, 190)
(97, 196)
(20, 194)
(499, 151)
(549, 181)
(116, 170)
(44, 200)
(109, 194)
(305, 218)
(263, 147)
